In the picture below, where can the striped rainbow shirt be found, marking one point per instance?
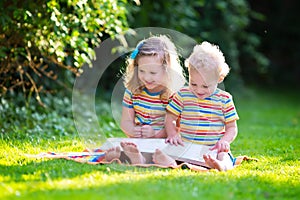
(149, 108)
(203, 120)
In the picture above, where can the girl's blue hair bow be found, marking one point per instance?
(136, 51)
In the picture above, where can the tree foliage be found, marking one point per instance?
(36, 38)
(221, 22)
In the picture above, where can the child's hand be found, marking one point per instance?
(137, 132)
(147, 131)
(176, 140)
(221, 146)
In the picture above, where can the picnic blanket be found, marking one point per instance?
(97, 156)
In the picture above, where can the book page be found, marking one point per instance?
(188, 152)
(144, 145)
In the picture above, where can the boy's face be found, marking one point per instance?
(202, 83)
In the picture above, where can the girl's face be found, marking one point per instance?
(151, 73)
(202, 84)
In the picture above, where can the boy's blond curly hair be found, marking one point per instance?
(162, 47)
(208, 56)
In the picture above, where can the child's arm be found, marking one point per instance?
(148, 132)
(173, 135)
(161, 133)
(128, 125)
(223, 145)
(231, 131)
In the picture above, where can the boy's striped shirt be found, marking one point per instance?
(149, 108)
(203, 120)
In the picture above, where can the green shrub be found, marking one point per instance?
(38, 37)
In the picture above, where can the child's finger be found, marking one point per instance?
(213, 148)
(168, 140)
(225, 147)
(137, 132)
(173, 141)
(180, 142)
(137, 136)
(146, 126)
(137, 129)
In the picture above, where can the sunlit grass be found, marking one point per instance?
(268, 130)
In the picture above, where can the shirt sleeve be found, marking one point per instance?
(229, 110)
(127, 99)
(176, 104)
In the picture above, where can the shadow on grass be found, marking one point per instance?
(147, 184)
(57, 169)
(54, 169)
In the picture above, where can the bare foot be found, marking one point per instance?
(214, 163)
(162, 159)
(112, 153)
(131, 150)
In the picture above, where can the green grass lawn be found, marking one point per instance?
(269, 130)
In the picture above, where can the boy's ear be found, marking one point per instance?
(221, 79)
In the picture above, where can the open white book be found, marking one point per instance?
(190, 152)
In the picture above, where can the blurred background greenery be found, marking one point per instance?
(43, 45)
